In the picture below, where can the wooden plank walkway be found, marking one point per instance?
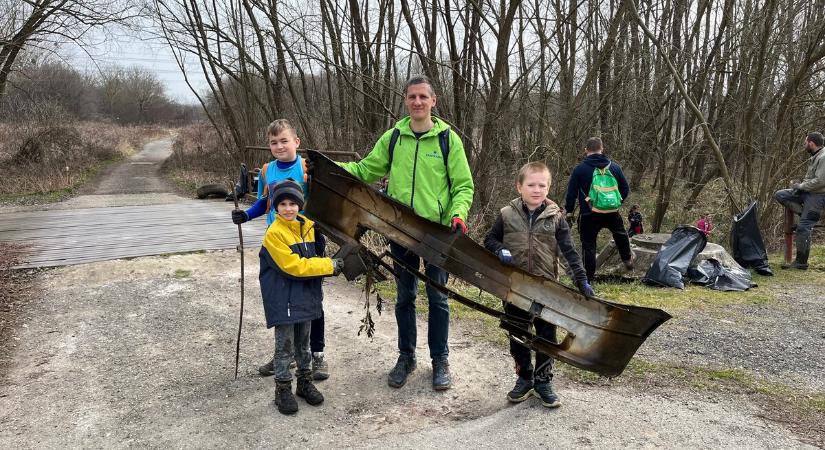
(76, 236)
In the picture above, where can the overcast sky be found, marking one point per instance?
(127, 51)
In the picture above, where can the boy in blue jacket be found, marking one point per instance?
(291, 273)
(288, 164)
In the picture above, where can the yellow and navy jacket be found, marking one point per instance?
(292, 267)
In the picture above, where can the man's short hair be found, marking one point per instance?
(418, 79)
(816, 138)
(279, 126)
(535, 166)
(593, 144)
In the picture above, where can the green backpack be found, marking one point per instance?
(604, 196)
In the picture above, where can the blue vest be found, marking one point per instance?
(273, 176)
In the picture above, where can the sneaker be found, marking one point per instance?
(441, 375)
(320, 369)
(308, 391)
(521, 391)
(403, 367)
(284, 399)
(544, 391)
(628, 265)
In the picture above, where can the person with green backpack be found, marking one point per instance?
(600, 187)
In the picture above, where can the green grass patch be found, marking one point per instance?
(182, 273)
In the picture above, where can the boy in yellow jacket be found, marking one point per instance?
(291, 273)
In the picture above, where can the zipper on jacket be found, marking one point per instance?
(415, 166)
(287, 308)
(440, 211)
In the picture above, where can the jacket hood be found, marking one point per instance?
(550, 207)
(597, 160)
(438, 126)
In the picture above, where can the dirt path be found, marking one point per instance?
(140, 352)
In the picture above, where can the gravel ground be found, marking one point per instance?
(140, 353)
(782, 341)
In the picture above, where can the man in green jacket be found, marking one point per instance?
(806, 199)
(430, 174)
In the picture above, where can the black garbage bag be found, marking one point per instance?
(712, 274)
(746, 242)
(675, 257)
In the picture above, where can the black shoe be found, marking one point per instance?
(403, 367)
(284, 399)
(268, 369)
(441, 375)
(308, 391)
(544, 391)
(320, 368)
(521, 391)
(764, 271)
(795, 265)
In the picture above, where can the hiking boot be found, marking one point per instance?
(795, 265)
(521, 391)
(320, 369)
(284, 399)
(268, 369)
(628, 265)
(403, 367)
(441, 374)
(544, 391)
(308, 391)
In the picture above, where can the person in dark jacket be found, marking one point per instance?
(530, 232)
(590, 222)
(634, 218)
(290, 276)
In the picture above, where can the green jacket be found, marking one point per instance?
(418, 176)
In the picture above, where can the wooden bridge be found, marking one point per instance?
(76, 236)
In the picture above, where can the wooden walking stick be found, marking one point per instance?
(240, 319)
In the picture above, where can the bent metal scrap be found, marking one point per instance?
(601, 336)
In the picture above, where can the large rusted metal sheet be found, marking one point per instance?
(601, 336)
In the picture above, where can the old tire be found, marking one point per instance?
(215, 190)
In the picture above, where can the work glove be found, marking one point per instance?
(457, 225)
(586, 289)
(795, 186)
(239, 216)
(337, 266)
(569, 218)
(505, 256)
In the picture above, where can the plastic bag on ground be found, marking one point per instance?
(746, 242)
(675, 257)
(712, 274)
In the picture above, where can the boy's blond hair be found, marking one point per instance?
(279, 126)
(535, 166)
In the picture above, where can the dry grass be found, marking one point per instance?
(45, 162)
(198, 158)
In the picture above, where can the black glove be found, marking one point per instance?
(337, 266)
(239, 216)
